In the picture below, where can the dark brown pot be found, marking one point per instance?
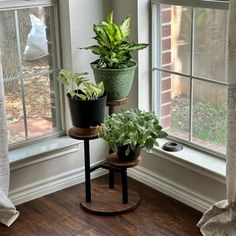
(132, 156)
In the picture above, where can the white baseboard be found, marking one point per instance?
(50, 185)
(141, 174)
(170, 188)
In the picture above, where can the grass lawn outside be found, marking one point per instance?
(209, 122)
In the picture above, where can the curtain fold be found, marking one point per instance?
(220, 219)
(8, 213)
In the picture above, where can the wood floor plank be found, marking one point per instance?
(60, 214)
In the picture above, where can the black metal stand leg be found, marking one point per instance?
(124, 186)
(87, 171)
(111, 172)
(111, 110)
(111, 179)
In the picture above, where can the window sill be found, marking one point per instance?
(41, 149)
(196, 160)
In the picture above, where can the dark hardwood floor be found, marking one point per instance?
(60, 214)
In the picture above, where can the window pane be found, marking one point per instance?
(35, 38)
(175, 105)
(210, 115)
(14, 110)
(210, 43)
(40, 105)
(8, 44)
(175, 38)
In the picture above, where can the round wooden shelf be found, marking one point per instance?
(117, 102)
(106, 201)
(113, 160)
(83, 134)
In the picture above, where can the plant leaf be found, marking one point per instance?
(95, 49)
(127, 151)
(125, 27)
(110, 18)
(81, 96)
(136, 46)
(118, 34)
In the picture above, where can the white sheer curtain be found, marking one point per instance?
(220, 219)
(8, 213)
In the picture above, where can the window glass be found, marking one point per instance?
(40, 105)
(175, 38)
(8, 43)
(14, 111)
(35, 38)
(210, 43)
(175, 105)
(210, 115)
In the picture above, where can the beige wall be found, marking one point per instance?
(120, 12)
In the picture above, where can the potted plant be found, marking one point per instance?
(129, 132)
(87, 101)
(114, 66)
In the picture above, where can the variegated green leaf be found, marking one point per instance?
(110, 18)
(125, 27)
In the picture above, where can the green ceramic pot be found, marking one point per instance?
(117, 82)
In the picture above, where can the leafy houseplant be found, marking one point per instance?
(115, 56)
(87, 101)
(78, 87)
(131, 130)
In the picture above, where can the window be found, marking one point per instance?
(29, 65)
(189, 45)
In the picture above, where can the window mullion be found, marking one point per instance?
(23, 4)
(41, 73)
(214, 4)
(56, 64)
(191, 76)
(156, 44)
(21, 75)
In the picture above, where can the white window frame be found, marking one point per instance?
(60, 116)
(156, 69)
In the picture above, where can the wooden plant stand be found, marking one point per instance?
(107, 200)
